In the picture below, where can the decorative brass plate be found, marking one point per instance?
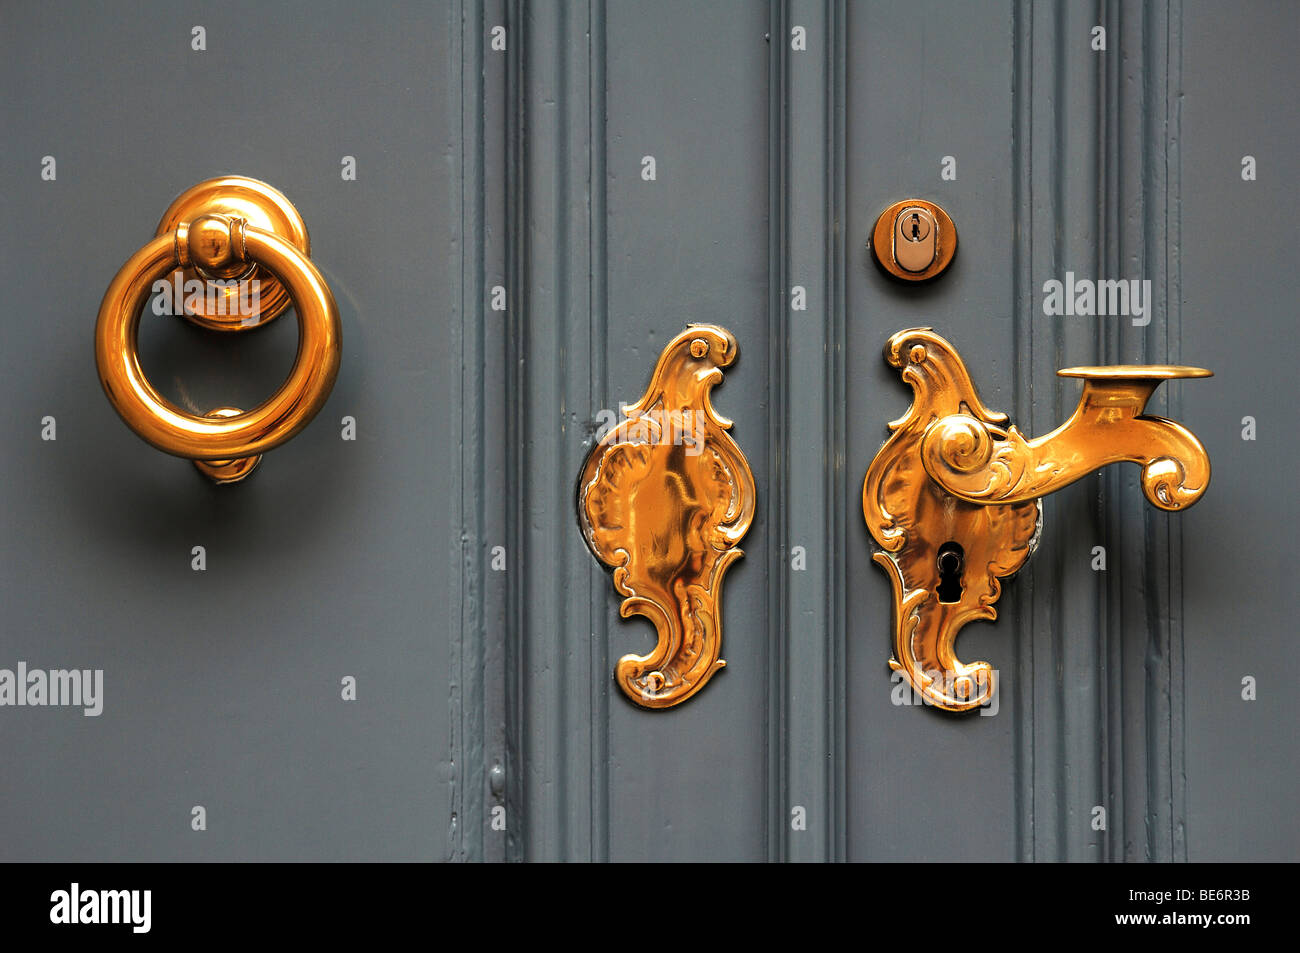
(663, 500)
(953, 496)
(259, 205)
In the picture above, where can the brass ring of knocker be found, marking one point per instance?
(227, 443)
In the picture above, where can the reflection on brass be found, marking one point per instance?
(914, 240)
(258, 205)
(985, 464)
(201, 236)
(663, 500)
(952, 498)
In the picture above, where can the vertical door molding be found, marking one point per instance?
(529, 676)
(1144, 738)
(1099, 678)
(807, 439)
(1059, 731)
(478, 675)
(557, 775)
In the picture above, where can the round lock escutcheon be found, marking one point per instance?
(913, 240)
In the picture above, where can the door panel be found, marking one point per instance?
(1068, 158)
(960, 104)
(222, 688)
(689, 246)
(508, 270)
(1237, 302)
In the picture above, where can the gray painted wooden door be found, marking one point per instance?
(436, 559)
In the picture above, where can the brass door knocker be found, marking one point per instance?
(224, 233)
(952, 498)
(663, 501)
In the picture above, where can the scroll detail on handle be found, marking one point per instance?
(980, 463)
(663, 500)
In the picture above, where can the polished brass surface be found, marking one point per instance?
(914, 240)
(663, 500)
(953, 497)
(259, 205)
(225, 438)
(227, 471)
(982, 463)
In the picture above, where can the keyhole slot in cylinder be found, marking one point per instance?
(950, 561)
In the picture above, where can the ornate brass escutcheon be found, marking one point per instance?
(952, 498)
(663, 500)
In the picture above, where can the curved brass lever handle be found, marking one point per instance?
(663, 500)
(210, 230)
(983, 463)
(953, 497)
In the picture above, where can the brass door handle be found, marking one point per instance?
(983, 463)
(953, 497)
(228, 232)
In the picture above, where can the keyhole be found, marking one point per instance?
(950, 561)
(913, 226)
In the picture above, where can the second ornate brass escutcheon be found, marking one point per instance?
(663, 500)
(952, 498)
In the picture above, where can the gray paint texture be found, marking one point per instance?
(487, 694)
(223, 688)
